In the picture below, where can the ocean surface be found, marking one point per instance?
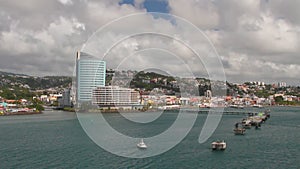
(55, 139)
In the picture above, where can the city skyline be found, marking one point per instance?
(256, 41)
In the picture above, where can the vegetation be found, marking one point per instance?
(262, 93)
(37, 104)
(16, 93)
(278, 99)
(19, 86)
(70, 109)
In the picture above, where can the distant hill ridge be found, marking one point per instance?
(10, 80)
(9, 73)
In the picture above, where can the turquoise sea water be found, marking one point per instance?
(56, 140)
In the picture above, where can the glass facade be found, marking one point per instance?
(90, 75)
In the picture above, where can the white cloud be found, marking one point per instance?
(100, 13)
(23, 41)
(201, 13)
(256, 39)
(66, 2)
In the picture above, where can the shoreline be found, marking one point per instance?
(185, 108)
(21, 113)
(132, 111)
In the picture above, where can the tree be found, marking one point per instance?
(278, 99)
(37, 104)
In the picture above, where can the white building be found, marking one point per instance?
(184, 101)
(281, 84)
(113, 96)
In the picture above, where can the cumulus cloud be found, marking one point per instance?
(42, 37)
(257, 40)
(66, 2)
(41, 52)
(204, 14)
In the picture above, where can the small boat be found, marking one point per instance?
(257, 125)
(247, 126)
(233, 106)
(246, 123)
(267, 113)
(257, 106)
(255, 119)
(218, 145)
(239, 130)
(141, 144)
(240, 107)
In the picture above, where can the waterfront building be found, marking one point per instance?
(90, 74)
(114, 96)
(65, 100)
(184, 101)
(66, 96)
(3, 104)
(44, 98)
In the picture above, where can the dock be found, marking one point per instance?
(216, 111)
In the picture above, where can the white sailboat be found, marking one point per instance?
(141, 144)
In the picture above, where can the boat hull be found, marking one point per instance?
(218, 146)
(239, 131)
(142, 147)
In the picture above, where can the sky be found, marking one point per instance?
(256, 40)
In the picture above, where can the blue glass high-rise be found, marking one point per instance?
(90, 74)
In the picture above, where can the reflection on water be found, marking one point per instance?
(45, 116)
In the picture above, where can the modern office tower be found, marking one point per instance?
(90, 74)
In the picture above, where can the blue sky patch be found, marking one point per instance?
(151, 5)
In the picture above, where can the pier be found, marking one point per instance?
(224, 112)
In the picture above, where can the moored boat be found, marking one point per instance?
(239, 130)
(257, 125)
(247, 126)
(246, 123)
(233, 106)
(240, 107)
(257, 106)
(267, 113)
(255, 119)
